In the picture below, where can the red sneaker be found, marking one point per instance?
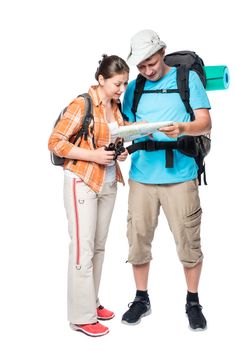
(104, 314)
(92, 329)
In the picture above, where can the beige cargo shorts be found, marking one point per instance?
(181, 205)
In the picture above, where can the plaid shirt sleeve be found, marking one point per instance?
(67, 127)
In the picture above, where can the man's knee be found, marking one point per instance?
(191, 263)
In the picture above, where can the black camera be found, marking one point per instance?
(116, 146)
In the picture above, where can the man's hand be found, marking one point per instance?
(174, 130)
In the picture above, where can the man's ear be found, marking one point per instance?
(163, 51)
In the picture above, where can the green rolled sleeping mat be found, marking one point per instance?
(217, 77)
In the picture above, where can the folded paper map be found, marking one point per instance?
(135, 131)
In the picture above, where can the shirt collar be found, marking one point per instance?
(95, 96)
(93, 92)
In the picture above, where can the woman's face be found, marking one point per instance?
(114, 87)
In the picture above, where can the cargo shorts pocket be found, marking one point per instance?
(192, 227)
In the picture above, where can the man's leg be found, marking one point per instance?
(140, 307)
(143, 211)
(141, 273)
(193, 307)
(181, 206)
(192, 276)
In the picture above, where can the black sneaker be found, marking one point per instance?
(196, 318)
(137, 309)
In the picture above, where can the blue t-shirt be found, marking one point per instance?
(149, 167)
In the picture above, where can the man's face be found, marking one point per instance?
(152, 68)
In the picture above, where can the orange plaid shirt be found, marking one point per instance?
(93, 174)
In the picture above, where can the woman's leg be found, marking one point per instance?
(106, 201)
(81, 208)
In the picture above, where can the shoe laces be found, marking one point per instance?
(137, 301)
(194, 309)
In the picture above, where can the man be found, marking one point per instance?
(153, 185)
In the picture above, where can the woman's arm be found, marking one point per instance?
(98, 155)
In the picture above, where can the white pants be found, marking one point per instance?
(89, 216)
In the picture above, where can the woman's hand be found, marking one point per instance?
(103, 157)
(122, 156)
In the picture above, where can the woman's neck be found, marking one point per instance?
(106, 101)
(107, 105)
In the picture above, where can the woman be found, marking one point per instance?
(90, 185)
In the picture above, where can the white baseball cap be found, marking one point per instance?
(143, 45)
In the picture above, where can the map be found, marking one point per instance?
(135, 131)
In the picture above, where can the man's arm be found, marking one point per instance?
(201, 125)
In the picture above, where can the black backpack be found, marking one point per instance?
(194, 146)
(83, 132)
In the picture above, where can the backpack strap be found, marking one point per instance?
(139, 90)
(87, 119)
(140, 84)
(161, 91)
(151, 146)
(183, 88)
(182, 84)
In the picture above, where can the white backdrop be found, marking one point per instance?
(49, 54)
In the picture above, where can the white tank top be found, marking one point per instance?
(111, 168)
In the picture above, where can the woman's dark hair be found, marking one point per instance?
(110, 66)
